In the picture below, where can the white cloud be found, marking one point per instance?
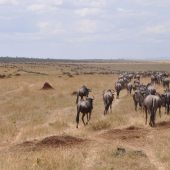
(92, 3)
(5, 18)
(44, 6)
(9, 2)
(87, 26)
(88, 12)
(153, 3)
(158, 29)
(37, 7)
(50, 28)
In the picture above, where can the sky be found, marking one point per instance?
(85, 29)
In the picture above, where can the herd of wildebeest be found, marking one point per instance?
(144, 95)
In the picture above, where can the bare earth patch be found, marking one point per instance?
(163, 125)
(126, 134)
(51, 141)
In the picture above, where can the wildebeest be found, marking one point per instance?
(108, 97)
(83, 91)
(138, 98)
(151, 104)
(137, 76)
(166, 83)
(153, 79)
(166, 101)
(118, 88)
(129, 87)
(85, 107)
(136, 84)
(151, 89)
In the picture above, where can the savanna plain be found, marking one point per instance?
(38, 128)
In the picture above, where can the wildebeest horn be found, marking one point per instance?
(93, 97)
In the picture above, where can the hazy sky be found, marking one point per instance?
(85, 28)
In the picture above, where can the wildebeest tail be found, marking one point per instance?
(153, 110)
(152, 106)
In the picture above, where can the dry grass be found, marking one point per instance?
(130, 159)
(46, 159)
(29, 113)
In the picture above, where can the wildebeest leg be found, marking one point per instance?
(118, 94)
(150, 111)
(136, 104)
(160, 112)
(168, 108)
(83, 118)
(150, 122)
(165, 109)
(146, 115)
(111, 108)
(87, 118)
(104, 112)
(131, 91)
(153, 118)
(106, 109)
(77, 118)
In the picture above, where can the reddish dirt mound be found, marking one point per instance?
(52, 141)
(126, 134)
(163, 124)
(133, 128)
(2, 76)
(47, 86)
(56, 141)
